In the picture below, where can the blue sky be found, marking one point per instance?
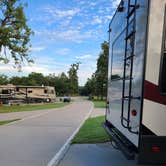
(66, 31)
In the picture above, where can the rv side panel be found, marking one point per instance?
(154, 106)
(134, 54)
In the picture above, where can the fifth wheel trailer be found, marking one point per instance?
(136, 98)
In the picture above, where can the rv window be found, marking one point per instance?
(52, 91)
(118, 48)
(30, 91)
(162, 80)
(45, 90)
(5, 91)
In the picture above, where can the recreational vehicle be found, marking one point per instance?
(136, 97)
(27, 93)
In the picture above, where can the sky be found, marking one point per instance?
(65, 32)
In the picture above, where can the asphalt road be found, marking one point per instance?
(36, 139)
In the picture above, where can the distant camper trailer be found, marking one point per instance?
(28, 94)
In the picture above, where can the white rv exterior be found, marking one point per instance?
(154, 107)
(137, 76)
(27, 93)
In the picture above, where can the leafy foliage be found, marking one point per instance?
(14, 32)
(64, 84)
(3, 79)
(73, 78)
(102, 71)
(90, 86)
(96, 85)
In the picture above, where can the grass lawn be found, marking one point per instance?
(91, 132)
(99, 103)
(30, 107)
(8, 121)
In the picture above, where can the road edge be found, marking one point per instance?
(63, 150)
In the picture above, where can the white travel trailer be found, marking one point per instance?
(136, 100)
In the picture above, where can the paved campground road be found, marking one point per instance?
(36, 139)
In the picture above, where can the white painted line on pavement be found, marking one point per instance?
(59, 156)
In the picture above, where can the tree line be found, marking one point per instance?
(65, 84)
(97, 84)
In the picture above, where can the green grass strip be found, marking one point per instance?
(8, 121)
(99, 104)
(91, 132)
(30, 107)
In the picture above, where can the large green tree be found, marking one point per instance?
(73, 78)
(60, 82)
(64, 84)
(14, 32)
(36, 79)
(97, 84)
(90, 86)
(15, 80)
(101, 73)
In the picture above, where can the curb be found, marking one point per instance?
(61, 153)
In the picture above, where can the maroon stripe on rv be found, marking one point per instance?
(152, 93)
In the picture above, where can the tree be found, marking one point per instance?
(3, 79)
(73, 78)
(64, 81)
(14, 32)
(15, 80)
(60, 82)
(90, 86)
(36, 79)
(102, 71)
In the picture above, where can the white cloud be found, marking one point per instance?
(63, 51)
(108, 17)
(39, 67)
(6, 68)
(66, 13)
(86, 70)
(25, 69)
(93, 3)
(71, 35)
(35, 68)
(37, 49)
(57, 13)
(115, 3)
(86, 57)
(96, 20)
(52, 14)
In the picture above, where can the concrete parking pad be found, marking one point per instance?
(95, 154)
(98, 112)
